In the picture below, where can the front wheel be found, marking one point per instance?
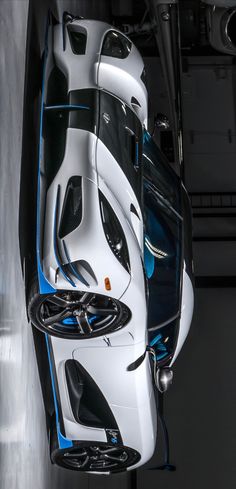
(95, 457)
(76, 315)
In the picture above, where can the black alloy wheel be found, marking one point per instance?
(96, 458)
(77, 315)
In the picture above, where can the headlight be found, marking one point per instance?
(114, 233)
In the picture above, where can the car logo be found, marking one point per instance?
(106, 117)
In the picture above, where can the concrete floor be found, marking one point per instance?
(23, 437)
(200, 406)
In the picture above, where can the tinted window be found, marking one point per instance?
(116, 45)
(163, 229)
(121, 132)
(158, 171)
(78, 40)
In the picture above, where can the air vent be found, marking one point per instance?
(88, 404)
(134, 101)
(81, 270)
(133, 210)
(72, 207)
(78, 40)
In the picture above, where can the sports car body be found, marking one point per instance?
(114, 270)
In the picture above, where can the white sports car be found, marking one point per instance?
(113, 249)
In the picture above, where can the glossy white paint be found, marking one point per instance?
(129, 393)
(187, 305)
(118, 76)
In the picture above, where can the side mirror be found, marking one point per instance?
(164, 378)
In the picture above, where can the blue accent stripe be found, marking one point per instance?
(55, 240)
(146, 136)
(63, 442)
(44, 286)
(73, 269)
(65, 107)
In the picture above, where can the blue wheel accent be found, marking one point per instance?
(70, 321)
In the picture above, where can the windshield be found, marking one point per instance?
(163, 230)
(158, 171)
(162, 256)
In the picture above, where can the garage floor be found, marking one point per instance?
(200, 407)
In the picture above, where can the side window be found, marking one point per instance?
(162, 258)
(78, 39)
(116, 45)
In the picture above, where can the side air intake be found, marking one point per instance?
(88, 404)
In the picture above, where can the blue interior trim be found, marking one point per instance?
(156, 339)
(159, 356)
(161, 350)
(63, 442)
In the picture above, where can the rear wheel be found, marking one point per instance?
(96, 457)
(76, 315)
